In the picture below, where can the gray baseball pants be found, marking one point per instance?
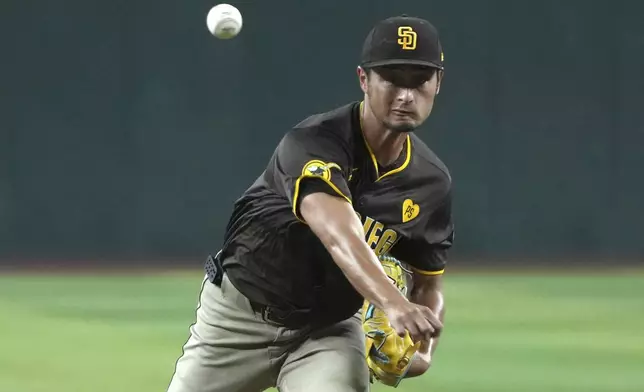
(231, 348)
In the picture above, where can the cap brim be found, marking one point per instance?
(401, 62)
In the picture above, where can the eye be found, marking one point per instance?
(422, 83)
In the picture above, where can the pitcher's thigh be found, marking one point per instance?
(330, 360)
(226, 350)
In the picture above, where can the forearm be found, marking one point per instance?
(335, 223)
(361, 267)
(433, 299)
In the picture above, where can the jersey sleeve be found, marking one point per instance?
(308, 161)
(427, 252)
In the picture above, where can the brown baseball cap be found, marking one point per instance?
(402, 40)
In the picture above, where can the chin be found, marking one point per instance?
(402, 127)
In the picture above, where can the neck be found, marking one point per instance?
(386, 145)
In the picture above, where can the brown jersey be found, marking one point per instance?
(272, 256)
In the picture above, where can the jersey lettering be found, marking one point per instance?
(379, 238)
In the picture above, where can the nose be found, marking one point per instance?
(404, 95)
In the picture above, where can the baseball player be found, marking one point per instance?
(308, 276)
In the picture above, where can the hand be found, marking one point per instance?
(419, 320)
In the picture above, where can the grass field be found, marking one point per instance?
(506, 332)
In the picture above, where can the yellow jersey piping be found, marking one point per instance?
(373, 157)
(428, 273)
(296, 194)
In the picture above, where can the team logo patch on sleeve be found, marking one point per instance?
(316, 168)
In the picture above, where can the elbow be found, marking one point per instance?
(418, 367)
(421, 363)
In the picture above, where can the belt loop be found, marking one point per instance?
(214, 269)
(266, 314)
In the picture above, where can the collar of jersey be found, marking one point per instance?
(373, 157)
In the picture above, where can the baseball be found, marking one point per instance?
(224, 21)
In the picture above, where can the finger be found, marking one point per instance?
(430, 335)
(428, 330)
(415, 336)
(409, 328)
(414, 331)
(419, 337)
(421, 330)
(399, 328)
(431, 317)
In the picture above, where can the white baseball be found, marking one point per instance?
(224, 21)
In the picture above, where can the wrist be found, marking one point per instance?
(395, 300)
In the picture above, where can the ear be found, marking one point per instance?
(363, 79)
(439, 77)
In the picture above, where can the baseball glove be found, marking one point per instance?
(389, 356)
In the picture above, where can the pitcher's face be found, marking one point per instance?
(401, 97)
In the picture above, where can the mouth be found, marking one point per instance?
(402, 112)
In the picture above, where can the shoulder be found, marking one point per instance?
(332, 129)
(326, 136)
(335, 123)
(339, 117)
(428, 164)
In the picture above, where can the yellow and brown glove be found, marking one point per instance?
(389, 356)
